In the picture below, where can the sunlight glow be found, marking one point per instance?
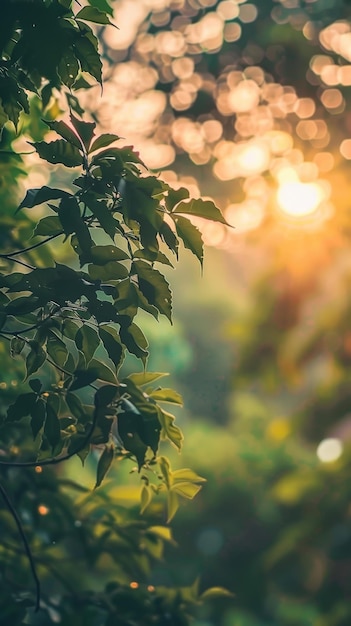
(329, 450)
(299, 199)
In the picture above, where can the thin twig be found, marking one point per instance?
(9, 255)
(28, 551)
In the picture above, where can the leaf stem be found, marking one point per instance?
(28, 551)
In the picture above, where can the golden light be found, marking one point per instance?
(253, 157)
(298, 199)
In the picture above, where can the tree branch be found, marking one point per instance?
(28, 551)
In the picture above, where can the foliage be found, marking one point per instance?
(67, 326)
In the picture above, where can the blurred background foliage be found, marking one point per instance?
(248, 103)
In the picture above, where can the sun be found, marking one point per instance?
(298, 199)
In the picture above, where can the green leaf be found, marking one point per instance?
(105, 395)
(216, 592)
(16, 346)
(103, 5)
(187, 475)
(103, 214)
(35, 358)
(104, 140)
(145, 497)
(68, 68)
(134, 340)
(57, 349)
(107, 272)
(87, 340)
(83, 378)
(145, 378)
(93, 14)
(61, 128)
(112, 343)
(104, 464)
(59, 151)
(154, 287)
(49, 225)
(166, 472)
(174, 196)
(35, 385)
(39, 195)
(104, 254)
(172, 505)
(186, 489)
(21, 407)
(129, 424)
(102, 371)
(190, 236)
(76, 407)
(167, 395)
(89, 59)
(85, 130)
(52, 429)
(200, 208)
(38, 416)
(169, 429)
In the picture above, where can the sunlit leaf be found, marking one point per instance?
(169, 429)
(200, 208)
(144, 378)
(167, 395)
(102, 141)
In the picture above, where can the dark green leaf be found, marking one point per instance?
(103, 5)
(57, 350)
(200, 208)
(49, 225)
(38, 415)
(129, 425)
(83, 378)
(85, 130)
(87, 340)
(104, 140)
(16, 346)
(59, 151)
(105, 395)
(190, 235)
(76, 407)
(35, 358)
(65, 131)
(103, 254)
(134, 340)
(103, 372)
(52, 428)
(108, 271)
(104, 464)
(35, 385)
(21, 407)
(93, 14)
(68, 68)
(154, 287)
(22, 305)
(112, 343)
(39, 195)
